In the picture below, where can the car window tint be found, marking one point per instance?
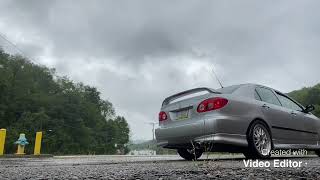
(288, 103)
(229, 89)
(268, 96)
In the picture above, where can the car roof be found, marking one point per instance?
(277, 91)
(258, 85)
(252, 86)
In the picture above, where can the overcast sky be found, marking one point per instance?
(139, 52)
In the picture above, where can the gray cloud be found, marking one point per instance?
(139, 52)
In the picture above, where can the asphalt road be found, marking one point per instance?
(155, 167)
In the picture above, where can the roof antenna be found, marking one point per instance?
(215, 75)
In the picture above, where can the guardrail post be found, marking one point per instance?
(37, 144)
(2, 140)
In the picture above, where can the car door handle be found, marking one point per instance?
(294, 113)
(265, 106)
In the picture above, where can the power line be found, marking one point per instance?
(6, 39)
(17, 48)
(153, 128)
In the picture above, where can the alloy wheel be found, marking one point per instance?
(262, 140)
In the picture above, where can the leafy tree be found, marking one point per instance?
(73, 117)
(306, 96)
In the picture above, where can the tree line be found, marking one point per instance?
(73, 117)
(308, 95)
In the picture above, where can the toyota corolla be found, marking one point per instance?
(248, 118)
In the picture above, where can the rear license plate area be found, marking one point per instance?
(181, 115)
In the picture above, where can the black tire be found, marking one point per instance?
(189, 155)
(253, 152)
(317, 152)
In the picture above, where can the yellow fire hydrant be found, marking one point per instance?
(22, 142)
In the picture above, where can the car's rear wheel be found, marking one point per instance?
(260, 142)
(190, 154)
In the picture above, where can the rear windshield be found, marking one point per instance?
(229, 89)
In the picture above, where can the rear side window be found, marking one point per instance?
(268, 96)
(229, 89)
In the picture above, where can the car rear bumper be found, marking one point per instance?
(213, 129)
(224, 138)
(220, 138)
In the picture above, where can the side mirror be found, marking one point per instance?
(309, 108)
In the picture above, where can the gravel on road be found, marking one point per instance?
(152, 167)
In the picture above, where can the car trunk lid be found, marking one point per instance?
(182, 107)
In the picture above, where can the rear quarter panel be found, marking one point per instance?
(236, 117)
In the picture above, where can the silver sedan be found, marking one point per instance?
(248, 118)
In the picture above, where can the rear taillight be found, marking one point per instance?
(212, 104)
(162, 116)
